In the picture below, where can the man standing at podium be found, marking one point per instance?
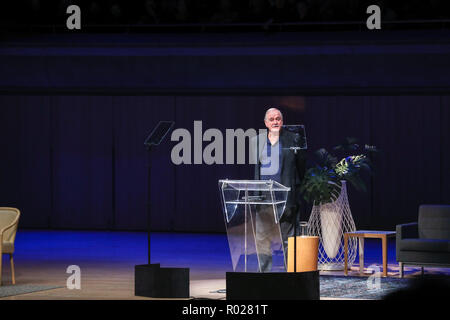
(276, 161)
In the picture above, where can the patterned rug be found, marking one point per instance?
(14, 290)
(348, 287)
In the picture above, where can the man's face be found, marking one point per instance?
(274, 121)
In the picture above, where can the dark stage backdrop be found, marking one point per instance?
(78, 162)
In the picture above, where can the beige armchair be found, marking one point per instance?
(9, 220)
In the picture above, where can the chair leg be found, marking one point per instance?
(400, 264)
(1, 267)
(422, 270)
(13, 276)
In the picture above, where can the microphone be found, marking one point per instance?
(296, 143)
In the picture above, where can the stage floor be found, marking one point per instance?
(107, 260)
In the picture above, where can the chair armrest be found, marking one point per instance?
(407, 230)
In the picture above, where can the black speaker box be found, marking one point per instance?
(273, 286)
(150, 280)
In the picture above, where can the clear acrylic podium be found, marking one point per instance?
(252, 210)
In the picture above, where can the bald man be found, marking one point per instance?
(279, 163)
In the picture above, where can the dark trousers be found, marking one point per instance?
(264, 237)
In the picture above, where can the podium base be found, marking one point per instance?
(150, 280)
(273, 286)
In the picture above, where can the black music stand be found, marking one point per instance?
(150, 280)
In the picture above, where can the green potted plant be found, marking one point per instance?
(324, 185)
(323, 181)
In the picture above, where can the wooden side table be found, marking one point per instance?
(361, 234)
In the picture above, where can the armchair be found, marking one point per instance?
(426, 242)
(9, 220)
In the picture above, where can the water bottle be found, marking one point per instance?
(303, 229)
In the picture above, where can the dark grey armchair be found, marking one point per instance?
(426, 242)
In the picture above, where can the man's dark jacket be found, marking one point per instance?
(293, 165)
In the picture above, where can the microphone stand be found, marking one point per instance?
(295, 149)
(149, 168)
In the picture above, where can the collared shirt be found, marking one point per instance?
(266, 161)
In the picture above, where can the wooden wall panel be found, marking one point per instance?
(82, 162)
(407, 130)
(78, 162)
(25, 173)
